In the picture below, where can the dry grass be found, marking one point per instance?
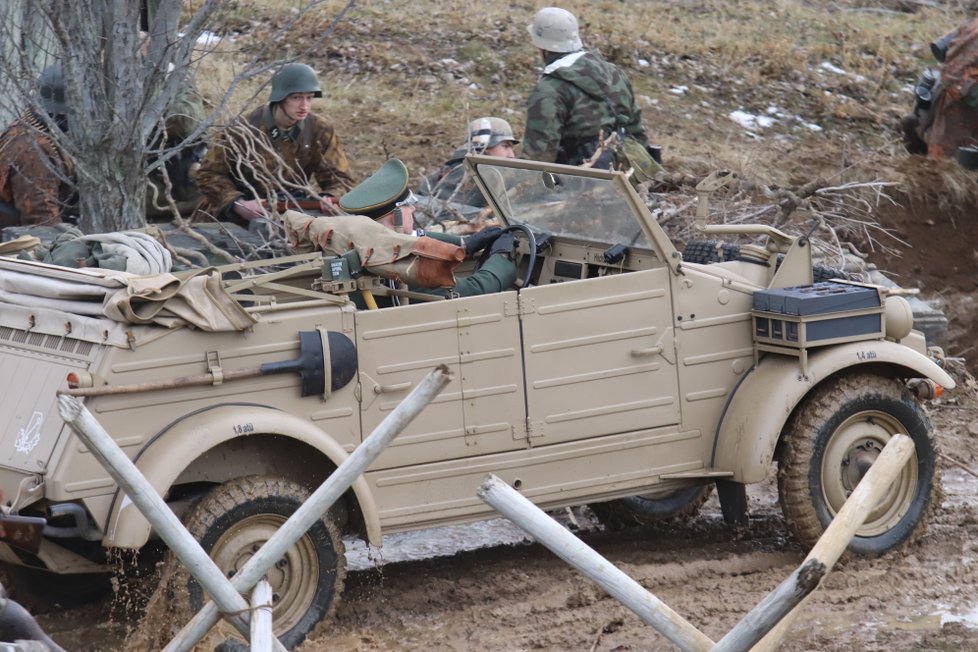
(403, 77)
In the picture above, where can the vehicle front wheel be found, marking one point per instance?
(234, 520)
(830, 443)
(650, 508)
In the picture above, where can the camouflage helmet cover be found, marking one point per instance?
(51, 88)
(555, 30)
(294, 78)
(489, 132)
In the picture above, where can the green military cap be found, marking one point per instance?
(379, 193)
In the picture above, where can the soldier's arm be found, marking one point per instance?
(498, 274)
(635, 127)
(184, 113)
(544, 122)
(215, 181)
(35, 186)
(332, 171)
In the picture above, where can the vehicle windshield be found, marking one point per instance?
(579, 207)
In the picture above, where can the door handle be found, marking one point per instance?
(387, 389)
(652, 350)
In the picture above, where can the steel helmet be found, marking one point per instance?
(555, 30)
(294, 78)
(489, 132)
(51, 88)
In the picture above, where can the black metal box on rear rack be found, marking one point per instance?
(787, 320)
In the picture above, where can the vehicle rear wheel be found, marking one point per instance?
(830, 443)
(234, 520)
(646, 509)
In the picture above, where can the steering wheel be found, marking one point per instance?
(531, 241)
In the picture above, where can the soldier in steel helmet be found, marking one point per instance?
(488, 136)
(579, 97)
(37, 184)
(279, 148)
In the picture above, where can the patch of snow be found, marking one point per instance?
(828, 66)
(751, 121)
(643, 63)
(679, 90)
(208, 38)
(968, 619)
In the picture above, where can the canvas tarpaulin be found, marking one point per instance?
(92, 297)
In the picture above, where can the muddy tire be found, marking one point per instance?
(681, 505)
(831, 441)
(234, 520)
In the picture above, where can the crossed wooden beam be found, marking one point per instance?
(227, 599)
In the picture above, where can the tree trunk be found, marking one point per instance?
(26, 47)
(112, 191)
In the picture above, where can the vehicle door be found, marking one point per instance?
(481, 411)
(599, 356)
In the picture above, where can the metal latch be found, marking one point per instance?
(214, 367)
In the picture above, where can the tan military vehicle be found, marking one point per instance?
(615, 375)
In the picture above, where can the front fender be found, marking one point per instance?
(174, 449)
(756, 414)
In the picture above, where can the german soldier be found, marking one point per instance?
(37, 181)
(278, 148)
(579, 97)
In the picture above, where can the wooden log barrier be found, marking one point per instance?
(508, 502)
(767, 624)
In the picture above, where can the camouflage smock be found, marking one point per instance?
(309, 152)
(34, 177)
(579, 96)
(956, 109)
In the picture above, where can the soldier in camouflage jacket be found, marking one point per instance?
(37, 181)
(279, 148)
(579, 97)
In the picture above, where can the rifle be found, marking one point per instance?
(24, 532)
(303, 204)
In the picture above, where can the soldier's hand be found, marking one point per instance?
(504, 244)
(480, 239)
(329, 205)
(250, 209)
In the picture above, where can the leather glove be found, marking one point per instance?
(504, 244)
(480, 239)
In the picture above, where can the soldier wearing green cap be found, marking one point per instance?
(280, 148)
(386, 198)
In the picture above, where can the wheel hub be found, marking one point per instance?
(292, 591)
(850, 453)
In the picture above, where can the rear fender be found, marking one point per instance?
(175, 449)
(756, 414)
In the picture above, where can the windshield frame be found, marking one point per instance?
(657, 239)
